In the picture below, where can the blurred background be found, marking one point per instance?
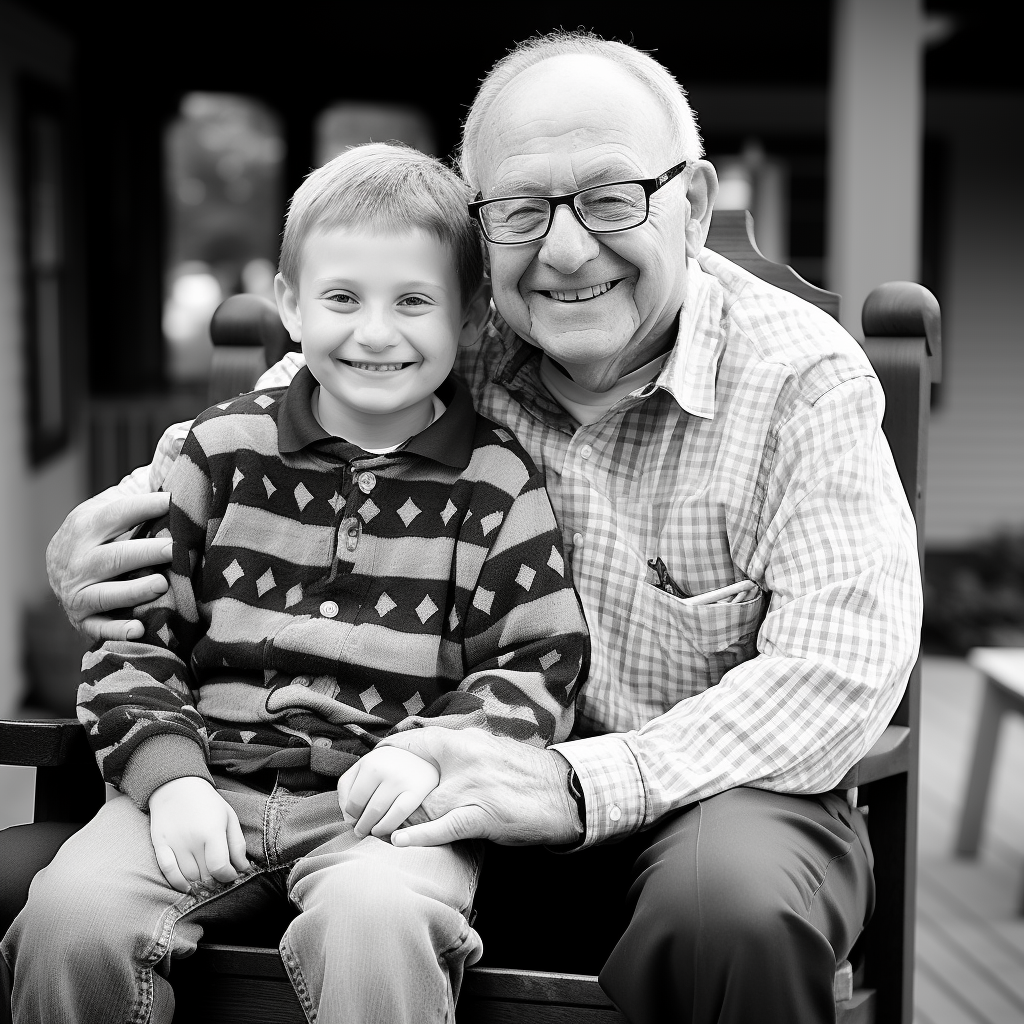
(145, 162)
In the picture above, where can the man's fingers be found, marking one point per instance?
(168, 865)
(112, 518)
(121, 556)
(96, 627)
(236, 844)
(461, 823)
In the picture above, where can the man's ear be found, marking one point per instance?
(474, 318)
(288, 308)
(701, 195)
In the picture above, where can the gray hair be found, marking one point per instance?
(661, 83)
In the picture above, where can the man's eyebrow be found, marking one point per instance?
(598, 176)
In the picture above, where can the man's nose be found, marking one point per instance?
(568, 245)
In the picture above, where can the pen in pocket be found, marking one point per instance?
(665, 581)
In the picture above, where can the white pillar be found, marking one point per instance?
(875, 126)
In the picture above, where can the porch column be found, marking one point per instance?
(874, 171)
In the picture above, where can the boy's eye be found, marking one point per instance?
(414, 300)
(340, 297)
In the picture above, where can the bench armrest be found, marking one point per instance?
(41, 744)
(889, 756)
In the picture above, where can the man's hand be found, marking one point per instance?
(383, 788)
(491, 788)
(195, 834)
(81, 563)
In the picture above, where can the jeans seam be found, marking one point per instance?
(298, 980)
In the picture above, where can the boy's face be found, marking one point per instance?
(379, 317)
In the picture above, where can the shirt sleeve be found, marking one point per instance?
(524, 640)
(837, 553)
(136, 698)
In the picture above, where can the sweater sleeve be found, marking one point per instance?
(525, 645)
(136, 698)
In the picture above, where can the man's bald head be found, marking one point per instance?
(661, 84)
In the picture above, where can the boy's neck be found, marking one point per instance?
(371, 430)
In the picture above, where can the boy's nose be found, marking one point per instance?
(376, 332)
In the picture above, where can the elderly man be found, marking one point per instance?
(736, 530)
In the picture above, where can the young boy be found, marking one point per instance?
(356, 554)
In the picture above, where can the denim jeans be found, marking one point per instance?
(382, 933)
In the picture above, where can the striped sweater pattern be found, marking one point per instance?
(322, 597)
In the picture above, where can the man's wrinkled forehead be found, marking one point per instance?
(571, 116)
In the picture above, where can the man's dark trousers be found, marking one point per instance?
(734, 910)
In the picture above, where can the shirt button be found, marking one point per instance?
(577, 540)
(367, 481)
(615, 813)
(328, 609)
(322, 742)
(586, 451)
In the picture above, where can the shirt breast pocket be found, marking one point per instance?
(706, 628)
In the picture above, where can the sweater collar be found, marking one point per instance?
(448, 440)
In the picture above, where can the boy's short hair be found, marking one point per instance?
(392, 188)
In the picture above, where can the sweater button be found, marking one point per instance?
(322, 742)
(367, 481)
(329, 610)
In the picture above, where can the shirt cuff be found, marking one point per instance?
(613, 786)
(158, 760)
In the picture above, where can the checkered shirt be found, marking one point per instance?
(757, 454)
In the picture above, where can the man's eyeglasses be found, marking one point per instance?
(602, 209)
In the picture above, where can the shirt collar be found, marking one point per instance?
(448, 440)
(691, 369)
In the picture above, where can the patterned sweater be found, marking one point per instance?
(322, 597)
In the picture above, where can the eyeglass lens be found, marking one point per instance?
(604, 208)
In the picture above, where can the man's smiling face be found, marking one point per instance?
(599, 304)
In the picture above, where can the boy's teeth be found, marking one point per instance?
(582, 293)
(380, 367)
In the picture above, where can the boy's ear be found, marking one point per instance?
(288, 308)
(474, 319)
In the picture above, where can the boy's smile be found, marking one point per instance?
(379, 317)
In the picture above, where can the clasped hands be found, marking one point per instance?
(440, 785)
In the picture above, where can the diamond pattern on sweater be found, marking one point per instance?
(236, 478)
(425, 609)
(409, 511)
(453, 620)
(549, 659)
(165, 634)
(525, 576)
(491, 522)
(233, 573)
(336, 501)
(263, 401)
(414, 705)
(556, 562)
(504, 659)
(370, 697)
(294, 595)
(448, 511)
(368, 510)
(269, 486)
(224, 406)
(483, 599)
(384, 605)
(246, 734)
(266, 582)
(302, 496)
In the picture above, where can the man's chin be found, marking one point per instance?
(581, 347)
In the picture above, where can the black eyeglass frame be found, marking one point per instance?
(649, 185)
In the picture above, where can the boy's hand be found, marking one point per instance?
(383, 788)
(195, 833)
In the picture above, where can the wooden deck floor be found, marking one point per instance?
(970, 940)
